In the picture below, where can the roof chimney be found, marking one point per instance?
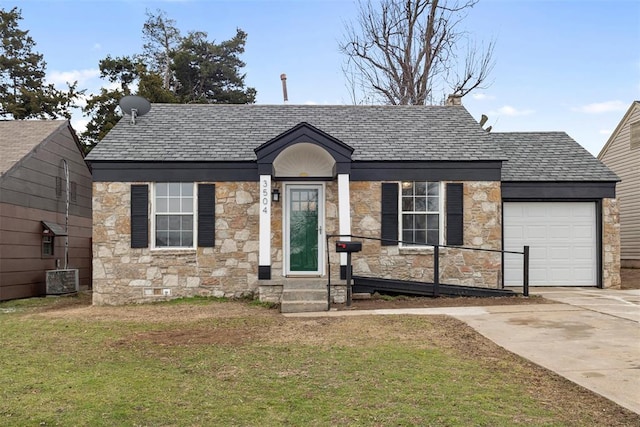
(283, 77)
(454, 99)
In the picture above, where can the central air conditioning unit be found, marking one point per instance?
(62, 281)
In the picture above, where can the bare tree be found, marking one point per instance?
(161, 37)
(407, 52)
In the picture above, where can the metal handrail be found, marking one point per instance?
(436, 253)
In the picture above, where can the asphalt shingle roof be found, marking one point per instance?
(179, 132)
(19, 137)
(548, 156)
(185, 132)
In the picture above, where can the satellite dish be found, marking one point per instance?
(134, 106)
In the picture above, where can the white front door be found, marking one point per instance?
(562, 241)
(304, 229)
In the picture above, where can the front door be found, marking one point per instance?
(304, 229)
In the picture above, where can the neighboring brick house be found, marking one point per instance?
(183, 201)
(33, 229)
(621, 153)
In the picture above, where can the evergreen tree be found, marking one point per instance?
(171, 69)
(103, 107)
(208, 72)
(23, 92)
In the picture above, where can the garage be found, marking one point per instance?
(562, 237)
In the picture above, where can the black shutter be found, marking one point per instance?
(389, 223)
(455, 214)
(206, 215)
(139, 216)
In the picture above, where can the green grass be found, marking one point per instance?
(43, 302)
(256, 369)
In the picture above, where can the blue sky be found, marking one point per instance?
(569, 65)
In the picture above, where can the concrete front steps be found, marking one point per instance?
(300, 295)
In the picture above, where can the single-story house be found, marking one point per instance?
(621, 154)
(36, 233)
(229, 200)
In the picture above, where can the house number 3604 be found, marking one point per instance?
(265, 196)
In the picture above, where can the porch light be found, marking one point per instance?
(275, 195)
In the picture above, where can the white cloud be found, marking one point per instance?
(508, 110)
(97, 46)
(116, 85)
(88, 79)
(83, 77)
(605, 131)
(79, 124)
(482, 96)
(81, 101)
(601, 107)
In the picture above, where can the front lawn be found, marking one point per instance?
(215, 363)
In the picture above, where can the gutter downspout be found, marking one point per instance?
(66, 215)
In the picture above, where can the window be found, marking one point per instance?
(58, 187)
(634, 130)
(420, 213)
(47, 245)
(74, 191)
(174, 215)
(49, 232)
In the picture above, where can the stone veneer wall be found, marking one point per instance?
(611, 244)
(122, 274)
(125, 275)
(482, 229)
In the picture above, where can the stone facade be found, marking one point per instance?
(122, 274)
(610, 244)
(483, 230)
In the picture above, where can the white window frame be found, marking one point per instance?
(441, 214)
(48, 241)
(153, 203)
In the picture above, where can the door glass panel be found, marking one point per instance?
(303, 229)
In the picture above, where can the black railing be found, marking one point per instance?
(436, 260)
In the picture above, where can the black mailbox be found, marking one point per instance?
(342, 246)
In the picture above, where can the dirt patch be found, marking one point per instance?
(197, 336)
(154, 313)
(377, 301)
(80, 307)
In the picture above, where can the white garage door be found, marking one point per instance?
(562, 241)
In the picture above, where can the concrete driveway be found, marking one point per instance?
(589, 336)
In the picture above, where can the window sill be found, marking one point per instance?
(409, 250)
(416, 248)
(174, 250)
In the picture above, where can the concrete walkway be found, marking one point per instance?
(590, 336)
